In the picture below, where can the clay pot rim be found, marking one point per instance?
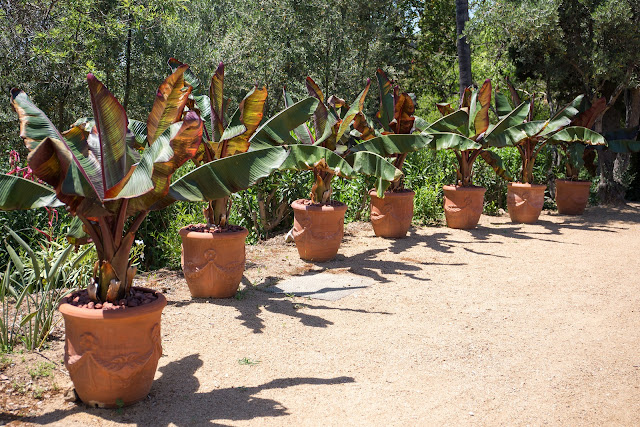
(522, 185)
(463, 188)
(579, 182)
(298, 205)
(374, 192)
(91, 313)
(190, 234)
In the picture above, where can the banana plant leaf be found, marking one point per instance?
(495, 161)
(171, 98)
(452, 141)
(189, 76)
(512, 118)
(305, 157)
(372, 164)
(563, 117)
(321, 114)
(17, 193)
(577, 134)
(302, 132)
(452, 122)
(624, 145)
(277, 130)
(515, 134)
(503, 107)
(481, 116)
(385, 114)
(82, 168)
(222, 177)
(388, 145)
(355, 108)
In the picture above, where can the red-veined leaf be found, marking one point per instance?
(167, 108)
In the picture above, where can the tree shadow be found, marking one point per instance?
(174, 400)
(257, 299)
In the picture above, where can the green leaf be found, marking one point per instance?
(139, 130)
(15, 258)
(371, 164)
(577, 134)
(450, 123)
(452, 141)
(564, 116)
(385, 114)
(575, 154)
(495, 161)
(388, 145)
(161, 161)
(503, 107)
(514, 135)
(302, 132)
(20, 194)
(513, 118)
(60, 260)
(420, 124)
(203, 103)
(304, 157)
(220, 178)
(27, 318)
(34, 260)
(277, 130)
(76, 234)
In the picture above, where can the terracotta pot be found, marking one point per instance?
(213, 263)
(317, 230)
(112, 355)
(392, 215)
(463, 206)
(525, 201)
(572, 196)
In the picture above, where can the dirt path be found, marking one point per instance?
(504, 325)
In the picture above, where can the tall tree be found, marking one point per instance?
(588, 46)
(464, 51)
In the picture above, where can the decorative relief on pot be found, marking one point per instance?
(527, 198)
(303, 231)
(196, 266)
(452, 207)
(94, 362)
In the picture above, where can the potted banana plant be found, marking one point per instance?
(525, 199)
(323, 147)
(112, 328)
(391, 214)
(572, 194)
(469, 134)
(213, 254)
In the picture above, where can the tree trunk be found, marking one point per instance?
(127, 84)
(464, 51)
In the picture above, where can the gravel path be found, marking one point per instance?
(504, 325)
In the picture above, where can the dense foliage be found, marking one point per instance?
(556, 48)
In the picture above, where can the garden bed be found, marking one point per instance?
(505, 324)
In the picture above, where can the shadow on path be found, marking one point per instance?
(175, 400)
